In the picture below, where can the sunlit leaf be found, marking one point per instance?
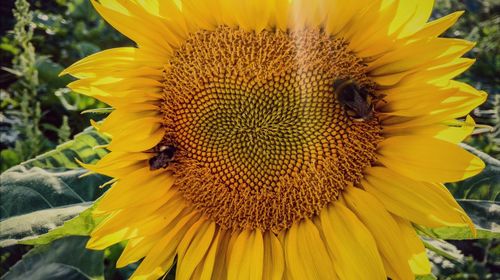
(36, 197)
(485, 216)
(81, 148)
(444, 249)
(426, 277)
(81, 225)
(31, 225)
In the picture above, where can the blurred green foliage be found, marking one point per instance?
(481, 24)
(37, 112)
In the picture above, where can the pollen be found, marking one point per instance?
(261, 139)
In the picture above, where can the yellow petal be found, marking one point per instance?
(145, 34)
(281, 12)
(144, 138)
(112, 162)
(118, 58)
(161, 257)
(438, 26)
(304, 13)
(115, 228)
(371, 212)
(428, 159)
(419, 262)
(453, 101)
(193, 248)
(226, 14)
(306, 254)
(137, 248)
(452, 131)
(374, 39)
(246, 258)
(172, 15)
(227, 239)
(339, 14)
(200, 13)
(274, 262)
(115, 123)
(406, 9)
(456, 131)
(439, 74)
(418, 18)
(252, 15)
(206, 268)
(351, 244)
(414, 101)
(420, 53)
(420, 202)
(114, 89)
(118, 164)
(139, 187)
(128, 217)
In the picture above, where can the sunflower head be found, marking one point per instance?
(279, 139)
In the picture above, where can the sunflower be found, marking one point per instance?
(279, 139)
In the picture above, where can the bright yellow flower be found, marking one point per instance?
(275, 175)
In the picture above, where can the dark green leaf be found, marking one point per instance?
(484, 214)
(48, 72)
(64, 259)
(34, 201)
(28, 190)
(484, 186)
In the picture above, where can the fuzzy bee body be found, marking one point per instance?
(164, 155)
(356, 100)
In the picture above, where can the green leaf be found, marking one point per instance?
(64, 259)
(9, 158)
(81, 225)
(48, 73)
(82, 147)
(461, 233)
(485, 216)
(28, 226)
(34, 201)
(426, 277)
(444, 249)
(28, 190)
(35, 197)
(485, 185)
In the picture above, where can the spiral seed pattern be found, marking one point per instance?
(262, 140)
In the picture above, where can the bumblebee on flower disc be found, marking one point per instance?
(165, 154)
(356, 100)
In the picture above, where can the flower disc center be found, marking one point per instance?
(262, 140)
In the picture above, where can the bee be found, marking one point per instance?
(356, 100)
(165, 154)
